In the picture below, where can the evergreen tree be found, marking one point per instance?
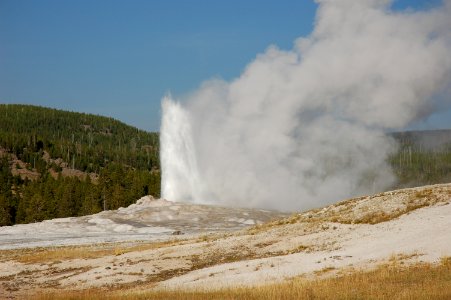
(5, 211)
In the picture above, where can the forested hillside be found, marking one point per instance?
(87, 142)
(56, 163)
(423, 157)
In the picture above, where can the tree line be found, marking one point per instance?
(423, 157)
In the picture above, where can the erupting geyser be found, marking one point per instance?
(305, 127)
(183, 180)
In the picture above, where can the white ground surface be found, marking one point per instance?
(147, 220)
(426, 233)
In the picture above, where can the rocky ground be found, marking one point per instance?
(196, 246)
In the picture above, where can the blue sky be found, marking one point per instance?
(118, 58)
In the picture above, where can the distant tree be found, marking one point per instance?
(5, 211)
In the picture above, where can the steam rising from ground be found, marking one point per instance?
(305, 127)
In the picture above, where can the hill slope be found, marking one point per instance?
(56, 163)
(87, 142)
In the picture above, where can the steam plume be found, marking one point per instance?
(306, 127)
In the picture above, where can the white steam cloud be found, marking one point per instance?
(306, 127)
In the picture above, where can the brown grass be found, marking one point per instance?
(389, 281)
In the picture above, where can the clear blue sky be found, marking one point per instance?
(118, 58)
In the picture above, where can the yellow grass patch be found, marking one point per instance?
(58, 254)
